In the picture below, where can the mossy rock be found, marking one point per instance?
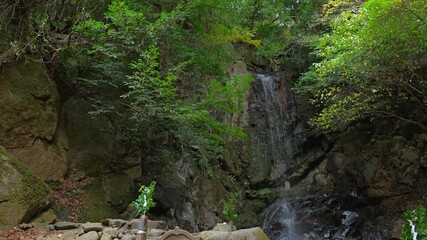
(91, 139)
(29, 100)
(22, 194)
(96, 206)
(249, 216)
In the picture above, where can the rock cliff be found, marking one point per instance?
(29, 125)
(22, 195)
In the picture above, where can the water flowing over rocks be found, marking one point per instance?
(271, 121)
(333, 186)
(317, 217)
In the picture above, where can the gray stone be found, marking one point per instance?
(65, 225)
(128, 237)
(133, 224)
(29, 101)
(113, 232)
(72, 234)
(224, 227)
(214, 235)
(249, 234)
(89, 236)
(410, 154)
(397, 230)
(106, 236)
(47, 217)
(117, 223)
(25, 226)
(398, 144)
(157, 225)
(153, 232)
(88, 227)
(422, 137)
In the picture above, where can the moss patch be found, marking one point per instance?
(33, 191)
(25, 193)
(96, 207)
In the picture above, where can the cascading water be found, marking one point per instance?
(271, 140)
(275, 124)
(280, 222)
(274, 128)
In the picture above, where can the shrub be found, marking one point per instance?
(418, 217)
(145, 199)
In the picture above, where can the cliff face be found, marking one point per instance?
(29, 125)
(366, 170)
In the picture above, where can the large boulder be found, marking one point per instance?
(29, 100)
(248, 234)
(22, 195)
(91, 139)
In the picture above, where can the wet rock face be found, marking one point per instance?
(368, 167)
(29, 127)
(316, 216)
(272, 117)
(373, 178)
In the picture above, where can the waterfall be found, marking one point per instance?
(281, 223)
(275, 120)
(273, 112)
(274, 128)
(276, 108)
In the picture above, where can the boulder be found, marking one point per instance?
(89, 227)
(91, 140)
(247, 234)
(214, 235)
(224, 227)
(45, 160)
(22, 195)
(89, 236)
(65, 225)
(29, 100)
(47, 217)
(109, 231)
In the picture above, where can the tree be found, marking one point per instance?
(371, 64)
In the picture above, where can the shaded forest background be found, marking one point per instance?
(159, 72)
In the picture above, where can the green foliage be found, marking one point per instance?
(418, 216)
(154, 98)
(145, 199)
(285, 27)
(229, 211)
(228, 96)
(370, 64)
